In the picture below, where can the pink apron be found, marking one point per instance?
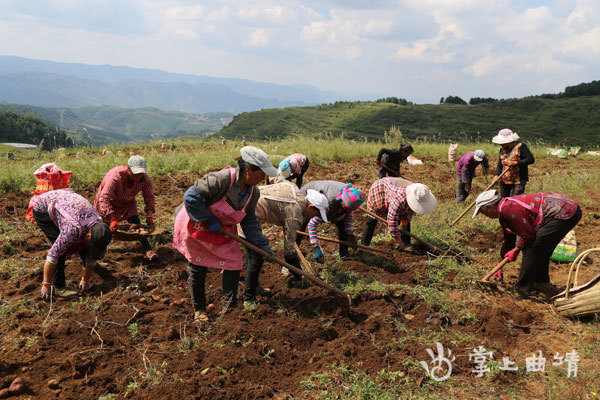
(209, 249)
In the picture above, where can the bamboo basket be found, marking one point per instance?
(579, 301)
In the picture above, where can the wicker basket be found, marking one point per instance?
(579, 301)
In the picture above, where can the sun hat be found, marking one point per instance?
(255, 156)
(297, 161)
(352, 196)
(479, 155)
(485, 198)
(101, 237)
(420, 199)
(285, 168)
(505, 136)
(137, 164)
(318, 200)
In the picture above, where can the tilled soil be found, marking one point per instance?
(133, 335)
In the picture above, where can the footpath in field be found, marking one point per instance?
(133, 335)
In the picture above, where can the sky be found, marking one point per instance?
(419, 50)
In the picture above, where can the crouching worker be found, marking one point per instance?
(540, 220)
(294, 167)
(72, 225)
(221, 200)
(390, 199)
(342, 200)
(282, 204)
(115, 199)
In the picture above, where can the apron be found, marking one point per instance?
(539, 215)
(210, 249)
(512, 176)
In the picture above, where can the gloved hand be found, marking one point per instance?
(512, 255)
(268, 249)
(498, 275)
(318, 255)
(352, 240)
(46, 290)
(150, 221)
(114, 225)
(403, 228)
(379, 163)
(84, 285)
(213, 224)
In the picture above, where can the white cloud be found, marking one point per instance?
(258, 38)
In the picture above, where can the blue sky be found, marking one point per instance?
(417, 49)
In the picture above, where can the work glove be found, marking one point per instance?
(268, 249)
(150, 221)
(84, 285)
(498, 275)
(114, 225)
(512, 254)
(318, 255)
(213, 224)
(353, 242)
(46, 290)
(379, 163)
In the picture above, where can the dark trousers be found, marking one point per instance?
(342, 235)
(507, 190)
(461, 191)
(382, 172)
(369, 231)
(254, 263)
(144, 241)
(51, 231)
(197, 281)
(536, 257)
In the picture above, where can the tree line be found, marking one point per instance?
(27, 129)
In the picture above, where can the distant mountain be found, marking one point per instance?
(55, 84)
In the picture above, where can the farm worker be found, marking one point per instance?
(516, 157)
(391, 158)
(342, 200)
(540, 220)
(397, 201)
(284, 205)
(294, 167)
(465, 171)
(72, 225)
(221, 200)
(115, 199)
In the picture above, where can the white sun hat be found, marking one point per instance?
(318, 200)
(505, 136)
(487, 197)
(420, 199)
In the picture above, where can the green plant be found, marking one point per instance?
(133, 330)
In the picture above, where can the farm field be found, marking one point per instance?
(133, 337)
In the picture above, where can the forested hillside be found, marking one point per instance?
(28, 129)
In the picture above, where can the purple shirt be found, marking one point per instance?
(467, 164)
(71, 213)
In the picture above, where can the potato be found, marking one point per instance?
(4, 393)
(17, 386)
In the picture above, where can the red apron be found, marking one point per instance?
(209, 249)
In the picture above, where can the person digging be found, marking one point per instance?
(72, 225)
(465, 172)
(219, 201)
(294, 167)
(540, 220)
(398, 204)
(282, 204)
(115, 200)
(516, 157)
(342, 200)
(388, 160)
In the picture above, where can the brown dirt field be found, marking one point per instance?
(129, 330)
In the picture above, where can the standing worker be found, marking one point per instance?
(465, 172)
(115, 199)
(516, 157)
(540, 220)
(281, 204)
(391, 158)
(219, 201)
(72, 225)
(294, 167)
(398, 204)
(343, 199)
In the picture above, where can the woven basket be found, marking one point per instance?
(579, 301)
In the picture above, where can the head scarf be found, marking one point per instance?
(351, 196)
